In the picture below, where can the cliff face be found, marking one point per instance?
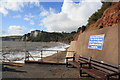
(41, 36)
(110, 17)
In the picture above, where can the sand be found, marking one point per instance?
(56, 58)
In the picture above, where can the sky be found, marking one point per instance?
(19, 17)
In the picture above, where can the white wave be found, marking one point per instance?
(19, 57)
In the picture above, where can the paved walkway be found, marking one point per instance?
(40, 71)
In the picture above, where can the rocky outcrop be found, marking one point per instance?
(35, 33)
(110, 17)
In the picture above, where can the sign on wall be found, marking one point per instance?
(96, 42)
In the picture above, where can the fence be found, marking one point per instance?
(54, 56)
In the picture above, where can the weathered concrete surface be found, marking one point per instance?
(71, 48)
(119, 45)
(108, 54)
(40, 71)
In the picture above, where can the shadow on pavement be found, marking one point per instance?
(12, 70)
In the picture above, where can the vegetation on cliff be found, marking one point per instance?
(97, 15)
(11, 38)
(108, 15)
(42, 36)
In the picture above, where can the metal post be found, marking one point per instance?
(80, 73)
(25, 48)
(57, 58)
(25, 55)
(66, 62)
(28, 56)
(41, 55)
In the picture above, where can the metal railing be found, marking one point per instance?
(55, 56)
(5, 58)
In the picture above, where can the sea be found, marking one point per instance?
(14, 51)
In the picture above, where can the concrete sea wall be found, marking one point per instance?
(108, 54)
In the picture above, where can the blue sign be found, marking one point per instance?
(96, 42)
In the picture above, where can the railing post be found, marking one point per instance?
(28, 55)
(41, 55)
(57, 57)
(25, 55)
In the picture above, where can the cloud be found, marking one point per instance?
(15, 5)
(15, 30)
(26, 19)
(3, 11)
(44, 13)
(32, 22)
(72, 15)
(31, 30)
(3, 33)
(17, 16)
(29, 18)
(15, 27)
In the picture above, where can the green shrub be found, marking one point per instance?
(97, 15)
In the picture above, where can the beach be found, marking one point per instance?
(38, 71)
(56, 58)
(34, 70)
(16, 51)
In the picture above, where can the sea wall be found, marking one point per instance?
(108, 54)
(71, 48)
(119, 44)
